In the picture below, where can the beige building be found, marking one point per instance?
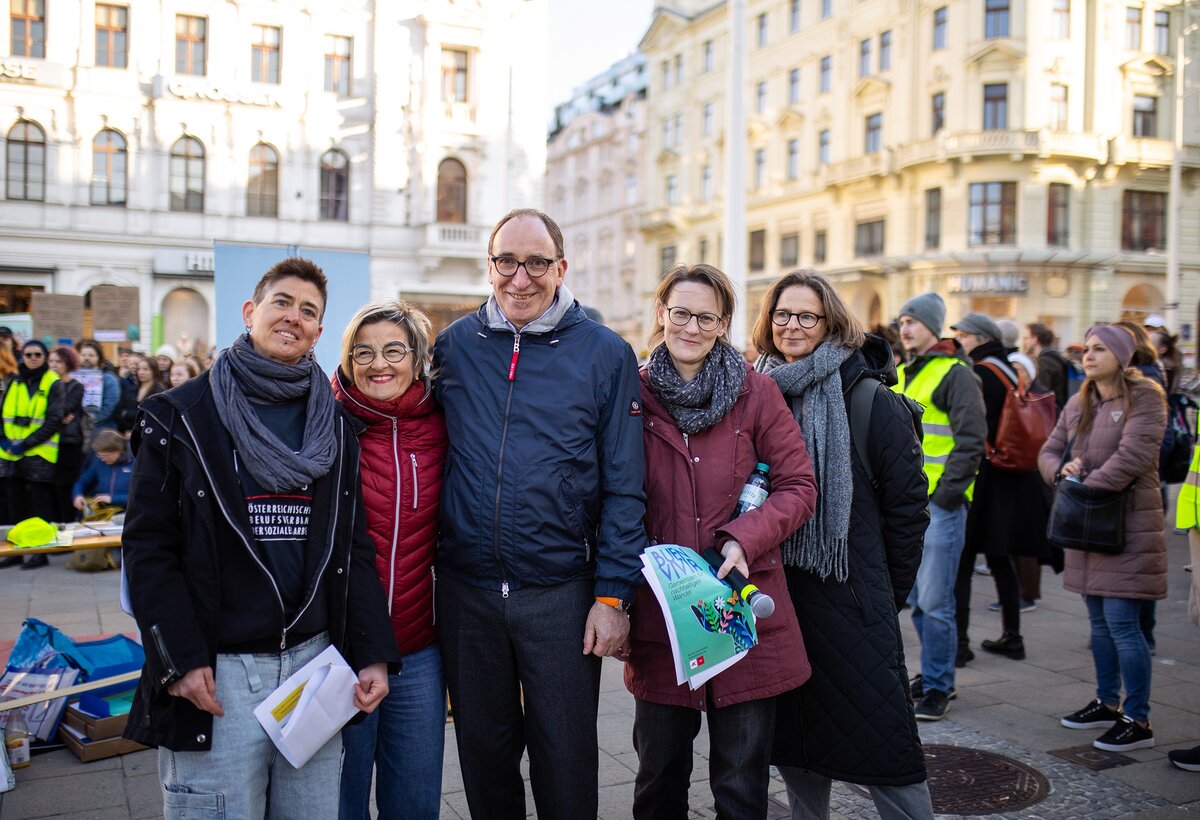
(1012, 155)
(596, 191)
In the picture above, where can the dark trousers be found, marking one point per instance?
(739, 757)
(27, 499)
(1007, 589)
(1029, 576)
(494, 650)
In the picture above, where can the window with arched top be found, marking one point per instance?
(262, 183)
(187, 175)
(452, 191)
(25, 155)
(108, 168)
(335, 186)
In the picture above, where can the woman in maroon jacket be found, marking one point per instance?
(382, 382)
(707, 420)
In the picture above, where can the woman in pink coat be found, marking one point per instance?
(1113, 427)
(708, 419)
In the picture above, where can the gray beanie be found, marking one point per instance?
(980, 325)
(928, 309)
(1010, 332)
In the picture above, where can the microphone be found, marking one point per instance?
(761, 604)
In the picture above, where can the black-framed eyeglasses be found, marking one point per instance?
(393, 352)
(32, 354)
(807, 320)
(535, 266)
(680, 317)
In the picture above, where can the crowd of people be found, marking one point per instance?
(466, 518)
(68, 413)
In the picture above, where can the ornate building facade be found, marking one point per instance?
(137, 134)
(1012, 155)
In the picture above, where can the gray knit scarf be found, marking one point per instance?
(241, 375)
(813, 386)
(700, 403)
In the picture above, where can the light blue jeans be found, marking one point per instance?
(1120, 652)
(932, 597)
(403, 740)
(244, 773)
(808, 797)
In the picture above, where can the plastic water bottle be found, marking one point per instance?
(754, 492)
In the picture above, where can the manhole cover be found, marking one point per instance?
(1093, 758)
(971, 781)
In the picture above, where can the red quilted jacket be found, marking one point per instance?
(403, 451)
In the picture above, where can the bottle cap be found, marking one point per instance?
(763, 467)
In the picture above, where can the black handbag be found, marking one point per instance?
(1085, 518)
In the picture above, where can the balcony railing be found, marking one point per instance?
(870, 165)
(455, 239)
(1043, 143)
(1151, 152)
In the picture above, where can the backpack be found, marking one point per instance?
(1026, 421)
(127, 406)
(1175, 452)
(862, 400)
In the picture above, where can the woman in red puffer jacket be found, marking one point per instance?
(382, 382)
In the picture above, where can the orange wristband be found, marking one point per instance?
(615, 603)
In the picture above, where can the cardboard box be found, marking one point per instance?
(92, 727)
(89, 750)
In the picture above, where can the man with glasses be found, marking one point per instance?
(33, 413)
(541, 525)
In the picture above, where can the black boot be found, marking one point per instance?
(1010, 645)
(10, 561)
(35, 561)
(964, 654)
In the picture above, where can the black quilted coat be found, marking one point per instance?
(852, 720)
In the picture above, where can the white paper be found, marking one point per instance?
(310, 707)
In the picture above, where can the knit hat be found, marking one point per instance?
(928, 309)
(1117, 339)
(1010, 332)
(169, 351)
(1025, 362)
(978, 324)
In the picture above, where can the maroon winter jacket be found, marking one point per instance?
(403, 451)
(691, 490)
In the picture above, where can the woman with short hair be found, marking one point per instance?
(708, 419)
(383, 383)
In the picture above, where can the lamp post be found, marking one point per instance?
(734, 260)
(1175, 188)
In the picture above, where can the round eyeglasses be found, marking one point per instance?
(806, 320)
(535, 266)
(32, 354)
(707, 322)
(393, 352)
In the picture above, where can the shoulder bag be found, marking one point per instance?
(1085, 518)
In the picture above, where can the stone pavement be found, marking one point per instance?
(1004, 706)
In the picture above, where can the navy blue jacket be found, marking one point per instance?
(111, 479)
(544, 474)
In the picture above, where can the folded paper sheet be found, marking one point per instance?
(310, 707)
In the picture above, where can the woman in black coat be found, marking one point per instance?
(849, 575)
(64, 361)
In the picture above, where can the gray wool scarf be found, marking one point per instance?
(241, 375)
(700, 403)
(813, 387)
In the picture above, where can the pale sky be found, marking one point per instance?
(587, 36)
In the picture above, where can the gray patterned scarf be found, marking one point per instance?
(240, 374)
(813, 387)
(700, 403)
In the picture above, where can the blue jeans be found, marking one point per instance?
(403, 741)
(1120, 652)
(243, 772)
(932, 597)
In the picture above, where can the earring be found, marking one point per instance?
(247, 328)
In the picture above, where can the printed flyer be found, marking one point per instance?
(709, 626)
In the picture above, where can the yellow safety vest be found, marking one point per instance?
(1187, 507)
(31, 410)
(937, 441)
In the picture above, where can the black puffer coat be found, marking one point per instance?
(853, 720)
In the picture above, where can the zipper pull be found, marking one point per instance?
(394, 422)
(504, 589)
(283, 640)
(512, 367)
(413, 458)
